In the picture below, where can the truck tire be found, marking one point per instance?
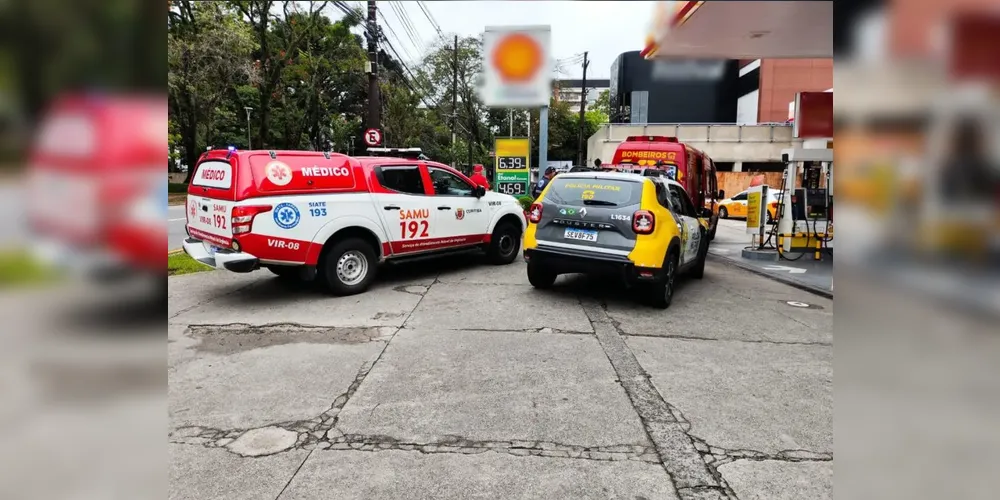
(504, 244)
(347, 267)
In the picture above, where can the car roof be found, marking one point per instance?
(618, 176)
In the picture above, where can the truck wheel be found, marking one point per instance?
(663, 291)
(540, 278)
(504, 244)
(347, 267)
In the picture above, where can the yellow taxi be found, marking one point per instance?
(737, 206)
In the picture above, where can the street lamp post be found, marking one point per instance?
(248, 109)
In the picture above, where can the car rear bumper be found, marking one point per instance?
(224, 259)
(565, 261)
(94, 262)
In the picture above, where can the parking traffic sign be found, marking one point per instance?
(373, 137)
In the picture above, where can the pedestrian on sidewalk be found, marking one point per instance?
(479, 178)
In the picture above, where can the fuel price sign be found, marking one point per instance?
(512, 174)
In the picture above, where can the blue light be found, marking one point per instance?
(232, 148)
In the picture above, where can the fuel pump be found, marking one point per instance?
(804, 221)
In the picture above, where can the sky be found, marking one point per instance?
(604, 29)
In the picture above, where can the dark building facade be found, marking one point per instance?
(673, 91)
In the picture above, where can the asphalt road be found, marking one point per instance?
(459, 380)
(12, 231)
(175, 227)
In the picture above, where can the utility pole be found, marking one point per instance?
(581, 153)
(510, 120)
(454, 99)
(374, 99)
(249, 142)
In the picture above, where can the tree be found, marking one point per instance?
(603, 102)
(434, 79)
(207, 54)
(277, 42)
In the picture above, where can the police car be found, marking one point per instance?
(643, 229)
(306, 213)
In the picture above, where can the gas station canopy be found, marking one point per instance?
(741, 30)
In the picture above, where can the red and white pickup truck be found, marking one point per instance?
(96, 193)
(295, 212)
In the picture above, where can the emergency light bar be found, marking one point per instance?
(650, 138)
(411, 153)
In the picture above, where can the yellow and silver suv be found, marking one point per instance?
(644, 229)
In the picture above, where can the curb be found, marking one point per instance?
(174, 251)
(827, 294)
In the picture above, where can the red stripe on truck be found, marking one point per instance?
(276, 248)
(426, 244)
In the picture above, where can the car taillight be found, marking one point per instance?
(643, 222)
(535, 213)
(243, 217)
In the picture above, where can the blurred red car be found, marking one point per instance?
(96, 197)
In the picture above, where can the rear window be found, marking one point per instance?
(214, 174)
(604, 192)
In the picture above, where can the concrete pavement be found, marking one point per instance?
(459, 380)
(804, 272)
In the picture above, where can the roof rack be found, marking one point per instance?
(412, 153)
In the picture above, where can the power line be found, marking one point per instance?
(404, 20)
(396, 36)
(430, 17)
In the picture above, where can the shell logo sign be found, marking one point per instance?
(517, 58)
(516, 66)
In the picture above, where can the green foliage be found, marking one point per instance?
(525, 202)
(303, 73)
(20, 269)
(182, 263)
(603, 103)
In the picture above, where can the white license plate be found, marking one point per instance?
(581, 234)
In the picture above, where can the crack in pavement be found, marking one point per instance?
(691, 463)
(716, 456)
(297, 469)
(666, 427)
(311, 431)
(334, 440)
(213, 299)
(516, 330)
(710, 339)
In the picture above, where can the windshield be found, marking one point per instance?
(587, 192)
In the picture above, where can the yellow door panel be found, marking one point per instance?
(651, 249)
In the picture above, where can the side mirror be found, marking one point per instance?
(480, 191)
(722, 194)
(706, 213)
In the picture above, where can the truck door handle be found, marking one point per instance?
(444, 208)
(391, 207)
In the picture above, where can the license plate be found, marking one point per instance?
(581, 234)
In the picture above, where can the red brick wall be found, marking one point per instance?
(781, 79)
